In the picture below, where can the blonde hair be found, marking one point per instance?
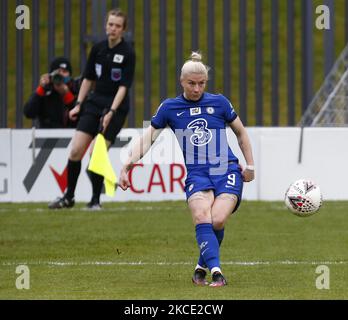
(194, 65)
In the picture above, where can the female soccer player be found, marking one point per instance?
(110, 71)
(215, 178)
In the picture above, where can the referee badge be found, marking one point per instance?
(116, 74)
(98, 69)
(118, 58)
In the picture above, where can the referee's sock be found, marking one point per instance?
(74, 168)
(219, 236)
(209, 245)
(97, 185)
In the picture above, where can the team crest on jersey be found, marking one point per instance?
(98, 69)
(118, 58)
(116, 74)
(191, 187)
(210, 110)
(201, 133)
(195, 111)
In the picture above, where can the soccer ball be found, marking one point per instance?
(303, 198)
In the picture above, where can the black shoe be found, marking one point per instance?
(61, 203)
(92, 205)
(199, 277)
(218, 280)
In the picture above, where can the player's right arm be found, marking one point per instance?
(141, 146)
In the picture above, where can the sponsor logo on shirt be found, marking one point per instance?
(201, 134)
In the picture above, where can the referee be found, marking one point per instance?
(109, 72)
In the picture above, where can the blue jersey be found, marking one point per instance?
(200, 128)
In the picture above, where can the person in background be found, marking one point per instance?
(54, 97)
(110, 71)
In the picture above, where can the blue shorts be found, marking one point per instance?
(231, 181)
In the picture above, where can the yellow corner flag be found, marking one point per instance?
(100, 164)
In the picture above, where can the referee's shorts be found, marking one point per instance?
(92, 111)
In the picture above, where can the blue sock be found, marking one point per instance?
(208, 244)
(219, 236)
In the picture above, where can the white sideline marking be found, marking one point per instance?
(141, 263)
(85, 210)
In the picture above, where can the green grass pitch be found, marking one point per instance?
(148, 251)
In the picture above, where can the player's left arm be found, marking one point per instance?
(245, 146)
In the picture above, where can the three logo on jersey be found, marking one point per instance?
(202, 135)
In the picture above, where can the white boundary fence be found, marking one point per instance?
(161, 174)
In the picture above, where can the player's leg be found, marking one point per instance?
(228, 192)
(112, 131)
(222, 209)
(200, 204)
(223, 206)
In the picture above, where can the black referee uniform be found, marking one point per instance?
(110, 68)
